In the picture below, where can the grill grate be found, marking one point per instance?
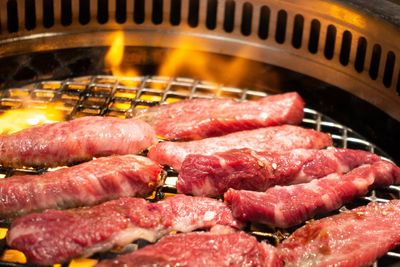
(120, 97)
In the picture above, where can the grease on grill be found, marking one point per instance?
(109, 96)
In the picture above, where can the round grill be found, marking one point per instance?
(341, 56)
(120, 97)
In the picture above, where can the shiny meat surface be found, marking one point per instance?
(202, 249)
(57, 236)
(285, 206)
(201, 118)
(86, 184)
(351, 238)
(257, 171)
(271, 138)
(78, 140)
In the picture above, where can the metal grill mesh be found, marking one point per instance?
(120, 97)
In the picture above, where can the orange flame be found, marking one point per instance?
(114, 59)
(185, 59)
(15, 120)
(188, 62)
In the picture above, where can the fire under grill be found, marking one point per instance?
(121, 97)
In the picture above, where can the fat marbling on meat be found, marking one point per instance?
(85, 184)
(286, 206)
(200, 118)
(271, 138)
(246, 169)
(65, 143)
(57, 236)
(352, 238)
(202, 250)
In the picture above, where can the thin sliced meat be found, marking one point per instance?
(57, 236)
(201, 118)
(86, 184)
(246, 169)
(201, 250)
(78, 140)
(285, 206)
(352, 238)
(283, 137)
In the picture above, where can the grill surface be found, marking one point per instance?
(120, 97)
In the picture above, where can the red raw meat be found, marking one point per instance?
(201, 118)
(271, 138)
(86, 184)
(285, 206)
(246, 169)
(78, 140)
(351, 238)
(202, 249)
(57, 236)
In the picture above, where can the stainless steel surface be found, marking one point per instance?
(328, 40)
(111, 96)
(383, 9)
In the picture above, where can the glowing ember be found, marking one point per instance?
(17, 119)
(114, 58)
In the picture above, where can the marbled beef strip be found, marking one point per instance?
(246, 169)
(285, 206)
(202, 250)
(201, 118)
(283, 137)
(352, 238)
(85, 184)
(74, 141)
(57, 236)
